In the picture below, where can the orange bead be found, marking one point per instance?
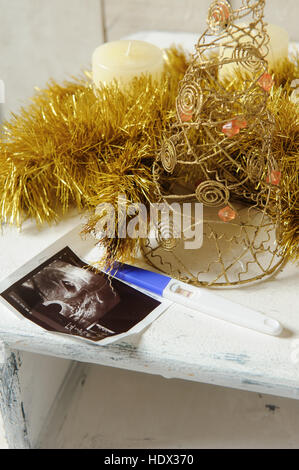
(274, 177)
(266, 82)
(222, 13)
(233, 127)
(186, 117)
(227, 214)
(230, 129)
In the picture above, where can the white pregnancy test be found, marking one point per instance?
(197, 298)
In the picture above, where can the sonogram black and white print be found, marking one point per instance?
(65, 295)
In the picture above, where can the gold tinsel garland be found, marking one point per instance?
(285, 145)
(72, 147)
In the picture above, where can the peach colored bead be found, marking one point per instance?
(227, 214)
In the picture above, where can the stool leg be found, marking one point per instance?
(11, 406)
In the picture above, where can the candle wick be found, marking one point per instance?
(129, 48)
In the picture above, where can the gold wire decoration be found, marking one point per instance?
(206, 150)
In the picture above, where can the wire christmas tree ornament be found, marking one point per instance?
(219, 150)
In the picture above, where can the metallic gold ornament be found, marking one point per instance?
(227, 144)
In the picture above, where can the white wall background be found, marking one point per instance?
(40, 39)
(127, 16)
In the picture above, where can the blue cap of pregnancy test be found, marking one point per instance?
(142, 278)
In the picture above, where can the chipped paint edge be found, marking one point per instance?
(11, 406)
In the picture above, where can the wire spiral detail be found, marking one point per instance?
(212, 194)
(255, 165)
(168, 155)
(219, 16)
(256, 102)
(166, 236)
(249, 57)
(190, 99)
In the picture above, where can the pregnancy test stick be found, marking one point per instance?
(197, 298)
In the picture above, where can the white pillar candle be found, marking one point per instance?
(278, 50)
(279, 44)
(124, 60)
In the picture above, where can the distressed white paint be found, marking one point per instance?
(113, 409)
(3, 441)
(40, 379)
(61, 407)
(2, 353)
(29, 384)
(12, 405)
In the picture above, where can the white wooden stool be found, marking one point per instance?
(39, 370)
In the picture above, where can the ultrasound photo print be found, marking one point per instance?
(64, 295)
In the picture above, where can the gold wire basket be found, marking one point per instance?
(218, 153)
